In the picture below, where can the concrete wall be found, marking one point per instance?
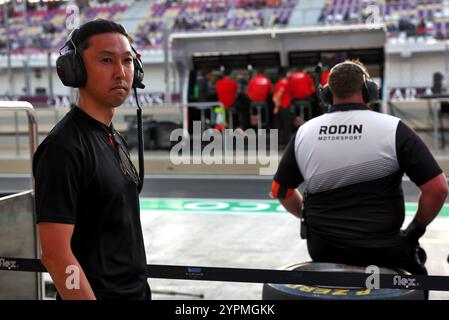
(414, 71)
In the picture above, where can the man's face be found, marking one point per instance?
(110, 69)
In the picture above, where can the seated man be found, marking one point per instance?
(351, 161)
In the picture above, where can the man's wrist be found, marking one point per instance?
(414, 231)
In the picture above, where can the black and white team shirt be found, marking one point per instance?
(350, 163)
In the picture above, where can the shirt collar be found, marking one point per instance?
(92, 121)
(348, 107)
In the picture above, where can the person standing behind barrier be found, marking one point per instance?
(283, 117)
(301, 90)
(324, 78)
(87, 199)
(242, 106)
(351, 162)
(226, 88)
(259, 87)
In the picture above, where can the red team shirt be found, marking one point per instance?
(301, 85)
(282, 85)
(325, 77)
(226, 91)
(258, 88)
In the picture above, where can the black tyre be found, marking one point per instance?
(273, 291)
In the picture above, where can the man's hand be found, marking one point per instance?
(414, 232)
(293, 204)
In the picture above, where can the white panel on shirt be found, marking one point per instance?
(332, 153)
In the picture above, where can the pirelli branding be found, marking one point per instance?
(341, 132)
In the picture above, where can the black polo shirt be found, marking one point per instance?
(351, 162)
(80, 180)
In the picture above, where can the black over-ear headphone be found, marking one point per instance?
(370, 90)
(72, 72)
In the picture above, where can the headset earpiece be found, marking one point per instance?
(371, 92)
(326, 95)
(71, 69)
(70, 66)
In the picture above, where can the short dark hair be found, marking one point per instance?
(346, 79)
(94, 27)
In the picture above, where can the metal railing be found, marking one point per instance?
(32, 122)
(18, 211)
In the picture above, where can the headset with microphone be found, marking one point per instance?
(72, 72)
(370, 90)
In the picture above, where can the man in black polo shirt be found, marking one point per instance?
(351, 162)
(87, 200)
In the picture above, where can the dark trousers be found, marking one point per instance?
(232, 118)
(260, 108)
(283, 121)
(402, 255)
(302, 108)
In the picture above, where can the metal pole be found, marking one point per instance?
(184, 75)
(8, 49)
(50, 77)
(434, 105)
(167, 26)
(446, 66)
(16, 130)
(27, 56)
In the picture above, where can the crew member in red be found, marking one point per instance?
(301, 85)
(324, 77)
(226, 88)
(258, 89)
(301, 89)
(283, 117)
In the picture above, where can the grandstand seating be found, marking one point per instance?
(47, 29)
(428, 18)
(211, 15)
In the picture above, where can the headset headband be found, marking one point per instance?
(70, 40)
(358, 67)
(369, 87)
